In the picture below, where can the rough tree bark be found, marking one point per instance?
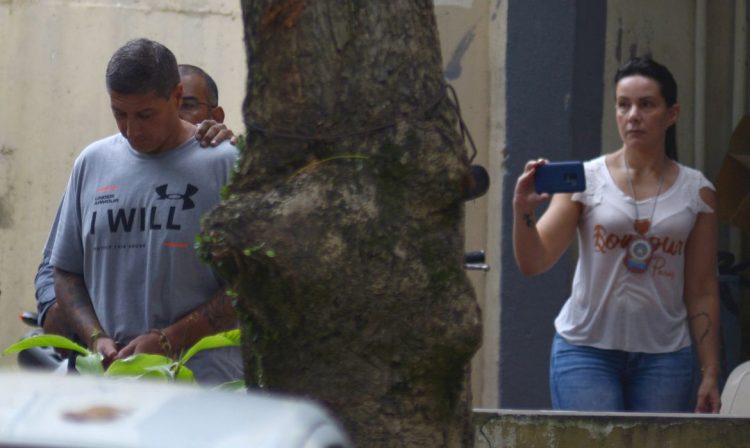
(342, 230)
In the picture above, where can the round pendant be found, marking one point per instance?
(638, 255)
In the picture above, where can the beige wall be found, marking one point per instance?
(472, 35)
(664, 28)
(668, 30)
(53, 102)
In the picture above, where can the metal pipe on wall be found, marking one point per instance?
(740, 61)
(699, 94)
(491, 342)
(739, 92)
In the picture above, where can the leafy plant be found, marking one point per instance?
(142, 365)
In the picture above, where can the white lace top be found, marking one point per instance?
(611, 307)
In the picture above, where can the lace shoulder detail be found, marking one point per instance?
(693, 183)
(594, 172)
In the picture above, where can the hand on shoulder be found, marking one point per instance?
(211, 133)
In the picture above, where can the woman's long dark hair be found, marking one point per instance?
(647, 67)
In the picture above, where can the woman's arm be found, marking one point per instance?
(702, 302)
(537, 245)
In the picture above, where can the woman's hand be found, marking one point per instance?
(537, 245)
(701, 295)
(709, 400)
(525, 197)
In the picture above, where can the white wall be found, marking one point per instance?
(53, 101)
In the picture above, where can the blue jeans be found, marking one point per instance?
(591, 379)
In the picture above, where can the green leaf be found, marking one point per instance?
(46, 340)
(233, 386)
(140, 365)
(229, 338)
(184, 374)
(248, 251)
(161, 372)
(270, 253)
(154, 375)
(90, 364)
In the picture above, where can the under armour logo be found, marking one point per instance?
(187, 203)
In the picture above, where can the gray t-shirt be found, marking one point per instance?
(128, 224)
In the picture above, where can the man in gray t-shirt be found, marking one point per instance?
(127, 277)
(200, 106)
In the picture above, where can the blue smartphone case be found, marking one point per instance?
(560, 177)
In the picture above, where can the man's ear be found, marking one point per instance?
(177, 93)
(217, 113)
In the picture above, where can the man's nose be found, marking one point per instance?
(131, 128)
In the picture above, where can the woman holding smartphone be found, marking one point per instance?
(644, 298)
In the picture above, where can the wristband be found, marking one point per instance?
(96, 334)
(166, 346)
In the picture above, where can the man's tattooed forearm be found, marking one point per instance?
(528, 219)
(74, 300)
(76, 294)
(696, 319)
(218, 312)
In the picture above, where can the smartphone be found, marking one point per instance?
(560, 177)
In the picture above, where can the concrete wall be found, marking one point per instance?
(53, 102)
(500, 429)
(472, 35)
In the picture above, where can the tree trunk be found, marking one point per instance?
(342, 232)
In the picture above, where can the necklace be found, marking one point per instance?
(642, 226)
(640, 250)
